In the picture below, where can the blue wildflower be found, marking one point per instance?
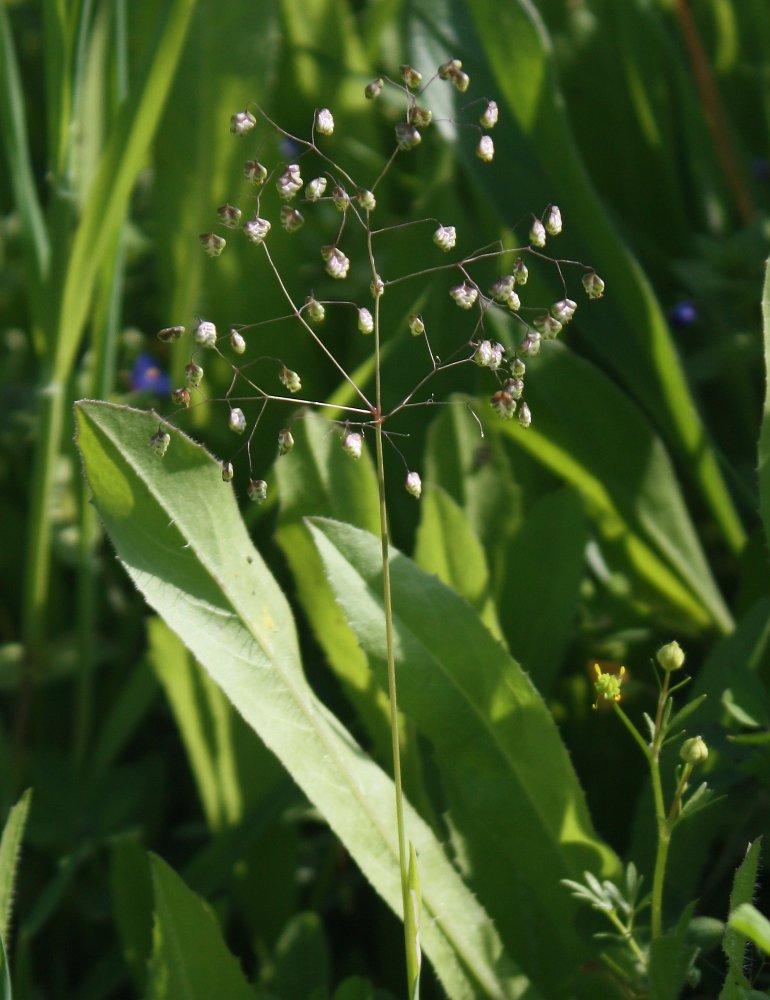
(683, 314)
(147, 376)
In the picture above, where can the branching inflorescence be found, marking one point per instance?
(326, 182)
(309, 180)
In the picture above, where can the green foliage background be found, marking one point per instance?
(628, 514)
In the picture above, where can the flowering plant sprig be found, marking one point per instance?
(308, 187)
(663, 730)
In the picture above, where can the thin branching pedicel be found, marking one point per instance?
(310, 186)
(285, 193)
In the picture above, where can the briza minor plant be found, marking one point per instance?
(306, 185)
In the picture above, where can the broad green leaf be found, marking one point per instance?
(10, 847)
(300, 963)
(476, 474)
(516, 807)
(128, 708)
(734, 943)
(545, 565)
(124, 155)
(764, 434)
(589, 433)
(230, 766)
(189, 960)
(16, 142)
(5, 974)
(748, 921)
(536, 162)
(317, 477)
(177, 530)
(131, 894)
(447, 546)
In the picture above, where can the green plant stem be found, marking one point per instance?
(664, 828)
(714, 112)
(628, 936)
(388, 609)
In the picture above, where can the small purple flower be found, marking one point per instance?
(683, 314)
(147, 376)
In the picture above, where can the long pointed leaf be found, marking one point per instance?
(508, 52)
(515, 801)
(628, 482)
(177, 530)
(764, 436)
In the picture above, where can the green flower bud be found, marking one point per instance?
(464, 295)
(366, 200)
(411, 77)
(377, 286)
(205, 334)
(254, 172)
(237, 342)
(315, 311)
(229, 215)
(291, 219)
(337, 263)
(374, 89)
(525, 415)
(257, 490)
(290, 379)
(537, 234)
(193, 375)
(315, 189)
(502, 288)
(520, 271)
(353, 444)
(285, 441)
(159, 443)
(212, 244)
(181, 397)
(504, 404)
(670, 657)
(290, 182)
(694, 750)
(514, 387)
(530, 346)
(324, 122)
(257, 229)
(242, 122)
(563, 310)
(237, 421)
(445, 237)
(548, 326)
(227, 472)
(513, 301)
(553, 221)
(593, 285)
(421, 117)
(518, 368)
(446, 70)
(416, 325)
(365, 321)
(486, 149)
(170, 334)
(413, 484)
(407, 136)
(460, 81)
(340, 198)
(490, 116)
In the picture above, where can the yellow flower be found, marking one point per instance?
(607, 685)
